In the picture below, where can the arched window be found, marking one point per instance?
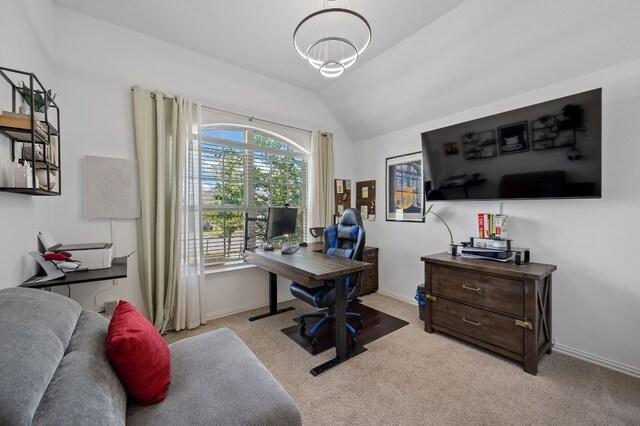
(246, 170)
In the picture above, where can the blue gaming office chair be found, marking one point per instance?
(346, 240)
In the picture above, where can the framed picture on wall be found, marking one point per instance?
(513, 138)
(404, 188)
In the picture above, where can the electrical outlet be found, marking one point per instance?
(110, 306)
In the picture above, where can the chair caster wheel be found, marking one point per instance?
(303, 325)
(359, 323)
(353, 341)
(314, 341)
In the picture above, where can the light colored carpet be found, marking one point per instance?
(410, 377)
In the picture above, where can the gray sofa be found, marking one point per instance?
(54, 370)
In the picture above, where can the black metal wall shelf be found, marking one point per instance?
(34, 136)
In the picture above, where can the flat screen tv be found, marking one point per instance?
(547, 150)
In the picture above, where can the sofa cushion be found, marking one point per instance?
(85, 390)
(139, 354)
(216, 379)
(36, 328)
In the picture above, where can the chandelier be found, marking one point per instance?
(332, 38)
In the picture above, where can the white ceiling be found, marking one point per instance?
(428, 59)
(257, 34)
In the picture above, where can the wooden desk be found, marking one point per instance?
(118, 270)
(312, 269)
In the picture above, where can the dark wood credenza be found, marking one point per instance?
(503, 307)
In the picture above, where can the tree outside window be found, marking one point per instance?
(239, 177)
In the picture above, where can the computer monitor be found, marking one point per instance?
(281, 221)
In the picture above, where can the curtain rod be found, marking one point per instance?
(248, 117)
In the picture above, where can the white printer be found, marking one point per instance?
(91, 255)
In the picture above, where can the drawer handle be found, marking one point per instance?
(477, 289)
(470, 322)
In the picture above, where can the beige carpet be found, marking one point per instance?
(410, 377)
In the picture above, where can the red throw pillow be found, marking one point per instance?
(139, 354)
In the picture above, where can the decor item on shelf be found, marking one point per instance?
(23, 175)
(452, 247)
(332, 38)
(26, 152)
(43, 177)
(38, 98)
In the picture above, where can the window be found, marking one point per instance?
(246, 170)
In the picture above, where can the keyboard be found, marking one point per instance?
(290, 249)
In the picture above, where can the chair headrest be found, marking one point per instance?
(351, 217)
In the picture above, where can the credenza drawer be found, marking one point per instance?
(496, 329)
(499, 294)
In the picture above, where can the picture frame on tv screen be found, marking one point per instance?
(551, 149)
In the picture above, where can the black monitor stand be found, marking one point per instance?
(248, 219)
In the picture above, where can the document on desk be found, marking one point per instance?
(50, 268)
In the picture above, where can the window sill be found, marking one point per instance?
(240, 266)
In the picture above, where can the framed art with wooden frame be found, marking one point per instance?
(404, 188)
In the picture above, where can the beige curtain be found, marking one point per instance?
(322, 202)
(190, 312)
(161, 160)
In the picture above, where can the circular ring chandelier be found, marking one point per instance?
(332, 39)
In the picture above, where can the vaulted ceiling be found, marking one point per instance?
(428, 58)
(257, 34)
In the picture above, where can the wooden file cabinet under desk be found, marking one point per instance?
(502, 307)
(369, 281)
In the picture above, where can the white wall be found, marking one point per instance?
(596, 289)
(96, 64)
(26, 31)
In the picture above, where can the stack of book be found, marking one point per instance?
(492, 225)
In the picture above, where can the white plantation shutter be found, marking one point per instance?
(239, 177)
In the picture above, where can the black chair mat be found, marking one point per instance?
(375, 324)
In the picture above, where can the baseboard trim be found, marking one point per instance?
(398, 296)
(594, 359)
(566, 350)
(244, 308)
